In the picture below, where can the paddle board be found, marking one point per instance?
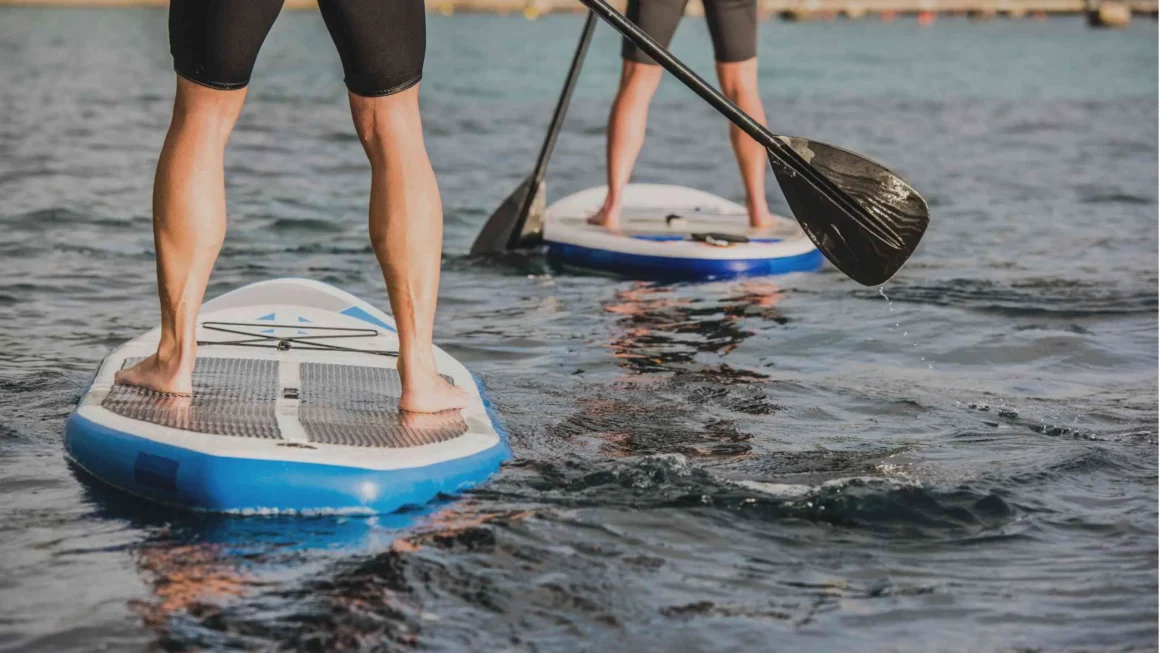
(294, 410)
(673, 232)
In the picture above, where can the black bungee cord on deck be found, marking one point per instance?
(285, 343)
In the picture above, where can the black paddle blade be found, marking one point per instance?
(869, 233)
(517, 223)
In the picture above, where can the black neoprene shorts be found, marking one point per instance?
(381, 42)
(732, 24)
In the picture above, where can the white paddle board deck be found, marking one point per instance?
(294, 409)
(663, 232)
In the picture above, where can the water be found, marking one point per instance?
(789, 463)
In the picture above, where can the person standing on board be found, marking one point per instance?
(733, 28)
(382, 46)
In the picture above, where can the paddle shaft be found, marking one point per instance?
(507, 228)
(565, 98)
(776, 147)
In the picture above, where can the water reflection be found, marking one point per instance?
(223, 573)
(660, 327)
(676, 395)
(197, 565)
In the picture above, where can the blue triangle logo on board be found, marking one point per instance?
(302, 319)
(267, 331)
(267, 318)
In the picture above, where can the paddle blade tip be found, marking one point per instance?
(516, 223)
(868, 222)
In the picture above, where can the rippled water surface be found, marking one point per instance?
(779, 463)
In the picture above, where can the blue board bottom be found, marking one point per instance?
(639, 266)
(189, 479)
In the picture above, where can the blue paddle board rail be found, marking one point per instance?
(190, 479)
(641, 266)
(665, 238)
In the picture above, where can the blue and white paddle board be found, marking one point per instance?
(294, 410)
(673, 232)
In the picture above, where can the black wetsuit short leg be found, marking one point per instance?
(382, 43)
(215, 42)
(732, 24)
(658, 19)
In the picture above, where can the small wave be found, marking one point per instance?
(1115, 198)
(10, 433)
(308, 225)
(501, 264)
(882, 505)
(878, 505)
(1055, 297)
(37, 384)
(60, 216)
(232, 251)
(788, 491)
(1092, 461)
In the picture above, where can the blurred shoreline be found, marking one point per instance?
(1100, 13)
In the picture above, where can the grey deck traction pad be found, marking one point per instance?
(359, 406)
(339, 404)
(231, 396)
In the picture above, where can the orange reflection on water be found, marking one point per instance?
(453, 522)
(187, 578)
(659, 328)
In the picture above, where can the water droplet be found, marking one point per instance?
(882, 291)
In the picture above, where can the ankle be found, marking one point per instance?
(176, 358)
(416, 366)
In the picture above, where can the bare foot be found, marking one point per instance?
(608, 216)
(429, 393)
(429, 421)
(762, 219)
(152, 374)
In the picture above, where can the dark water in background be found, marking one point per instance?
(775, 464)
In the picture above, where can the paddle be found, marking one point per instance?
(863, 217)
(518, 221)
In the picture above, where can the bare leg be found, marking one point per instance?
(739, 83)
(626, 128)
(406, 228)
(189, 224)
